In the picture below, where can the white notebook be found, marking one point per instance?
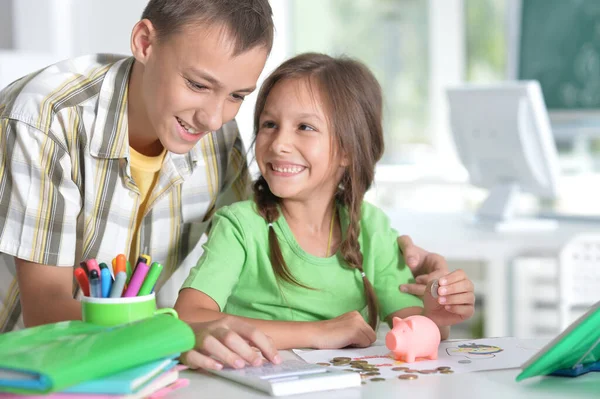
(291, 377)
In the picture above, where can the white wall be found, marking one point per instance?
(74, 27)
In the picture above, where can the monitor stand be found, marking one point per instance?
(497, 213)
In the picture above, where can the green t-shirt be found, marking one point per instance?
(236, 272)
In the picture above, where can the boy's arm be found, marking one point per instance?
(38, 221)
(46, 293)
(345, 330)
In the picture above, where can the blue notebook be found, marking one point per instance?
(125, 382)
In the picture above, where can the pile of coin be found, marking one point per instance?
(411, 374)
(371, 371)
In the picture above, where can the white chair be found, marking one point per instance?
(578, 276)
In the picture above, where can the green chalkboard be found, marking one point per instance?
(560, 47)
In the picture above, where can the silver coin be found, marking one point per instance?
(464, 361)
(434, 288)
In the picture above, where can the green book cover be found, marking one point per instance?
(579, 344)
(52, 357)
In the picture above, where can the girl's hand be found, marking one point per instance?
(455, 302)
(349, 329)
(229, 340)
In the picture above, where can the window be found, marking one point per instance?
(391, 37)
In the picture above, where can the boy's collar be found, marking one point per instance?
(109, 138)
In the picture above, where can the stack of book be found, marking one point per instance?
(79, 360)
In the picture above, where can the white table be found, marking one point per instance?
(488, 385)
(456, 238)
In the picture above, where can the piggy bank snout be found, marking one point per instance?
(393, 340)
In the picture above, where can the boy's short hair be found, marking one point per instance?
(248, 22)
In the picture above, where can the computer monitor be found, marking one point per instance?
(556, 43)
(503, 137)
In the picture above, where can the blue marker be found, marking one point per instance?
(95, 289)
(106, 280)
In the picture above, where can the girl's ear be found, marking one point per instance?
(345, 160)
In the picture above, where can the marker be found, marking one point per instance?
(128, 270)
(82, 280)
(117, 287)
(92, 265)
(136, 280)
(114, 266)
(120, 264)
(146, 258)
(95, 289)
(106, 280)
(150, 279)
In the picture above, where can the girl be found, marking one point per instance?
(306, 255)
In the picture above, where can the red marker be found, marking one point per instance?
(82, 280)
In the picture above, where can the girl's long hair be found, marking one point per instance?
(353, 105)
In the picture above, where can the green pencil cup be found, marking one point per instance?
(115, 311)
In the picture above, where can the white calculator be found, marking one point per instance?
(291, 377)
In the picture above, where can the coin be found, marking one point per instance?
(323, 364)
(408, 377)
(364, 383)
(399, 368)
(372, 373)
(447, 372)
(411, 371)
(464, 361)
(427, 371)
(341, 363)
(377, 379)
(442, 368)
(434, 288)
(359, 362)
(339, 359)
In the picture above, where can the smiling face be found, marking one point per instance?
(294, 143)
(191, 82)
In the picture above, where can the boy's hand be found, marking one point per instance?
(425, 266)
(455, 302)
(231, 341)
(349, 329)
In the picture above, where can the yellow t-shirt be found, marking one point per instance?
(144, 171)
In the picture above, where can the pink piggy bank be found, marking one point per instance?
(415, 336)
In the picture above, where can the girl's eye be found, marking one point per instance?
(195, 86)
(305, 127)
(268, 125)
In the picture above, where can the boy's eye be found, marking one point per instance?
(306, 127)
(238, 97)
(194, 85)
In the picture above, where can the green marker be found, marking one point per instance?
(128, 271)
(151, 279)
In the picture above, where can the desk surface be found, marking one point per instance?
(491, 385)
